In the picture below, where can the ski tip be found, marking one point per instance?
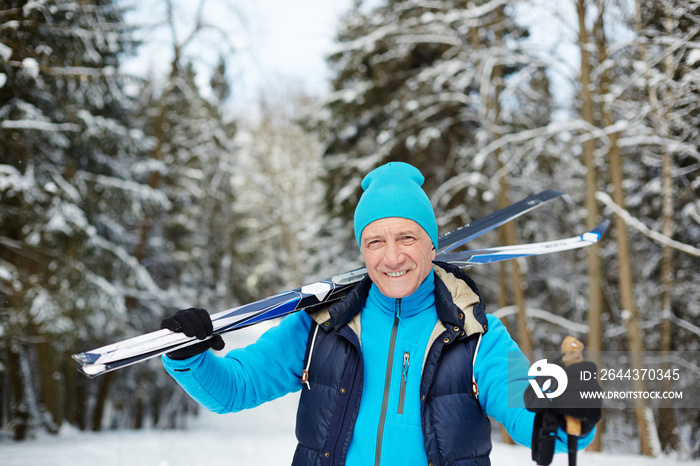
(595, 234)
(551, 193)
(456, 238)
(87, 365)
(93, 370)
(601, 228)
(85, 358)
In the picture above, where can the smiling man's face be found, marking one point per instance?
(398, 255)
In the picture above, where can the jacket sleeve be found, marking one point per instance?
(501, 371)
(247, 377)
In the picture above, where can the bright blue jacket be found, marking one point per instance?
(428, 413)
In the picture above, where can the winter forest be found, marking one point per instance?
(126, 196)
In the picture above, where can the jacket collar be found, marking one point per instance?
(420, 300)
(457, 302)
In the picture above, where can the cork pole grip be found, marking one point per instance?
(571, 349)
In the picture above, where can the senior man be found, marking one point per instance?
(405, 370)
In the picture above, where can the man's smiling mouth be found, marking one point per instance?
(396, 274)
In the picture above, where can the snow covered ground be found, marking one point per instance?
(263, 436)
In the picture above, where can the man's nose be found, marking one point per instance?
(393, 254)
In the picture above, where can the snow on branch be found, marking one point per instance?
(456, 183)
(141, 191)
(428, 38)
(652, 139)
(646, 231)
(514, 138)
(143, 277)
(109, 293)
(71, 71)
(686, 325)
(396, 31)
(11, 178)
(543, 315)
(39, 125)
(642, 70)
(693, 210)
(80, 71)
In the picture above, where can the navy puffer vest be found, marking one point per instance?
(456, 431)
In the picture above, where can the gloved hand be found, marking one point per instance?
(193, 322)
(551, 412)
(570, 403)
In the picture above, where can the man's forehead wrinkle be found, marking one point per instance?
(373, 232)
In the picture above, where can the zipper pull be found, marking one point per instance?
(404, 382)
(404, 372)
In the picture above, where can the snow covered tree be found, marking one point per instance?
(434, 85)
(281, 198)
(415, 81)
(188, 246)
(668, 57)
(68, 192)
(93, 247)
(635, 84)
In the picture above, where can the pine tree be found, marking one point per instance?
(69, 191)
(193, 164)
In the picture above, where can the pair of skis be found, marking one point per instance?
(150, 345)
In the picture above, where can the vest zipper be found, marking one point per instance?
(387, 382)
(356, 381)
(404, 381)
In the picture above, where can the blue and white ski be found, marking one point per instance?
(137, 349)
(485, 256)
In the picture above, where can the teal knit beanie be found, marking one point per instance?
(394, 190)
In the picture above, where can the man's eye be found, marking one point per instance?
(373, 244)
(407, 239)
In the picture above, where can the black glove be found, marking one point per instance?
(570, 403)
(193, 322)
(551, 412)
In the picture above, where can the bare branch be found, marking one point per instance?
(646, 231)
(541, 314)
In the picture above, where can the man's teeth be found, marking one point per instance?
(396, 274)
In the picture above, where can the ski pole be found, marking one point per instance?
(571, 349)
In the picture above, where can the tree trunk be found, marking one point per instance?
(19, 413)
(595, 290)
(102, 397)
(629, 306)
(625, 279)
(524, 335)
(49, 388)
(667, 425)
(75, 396)
(506, 236)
